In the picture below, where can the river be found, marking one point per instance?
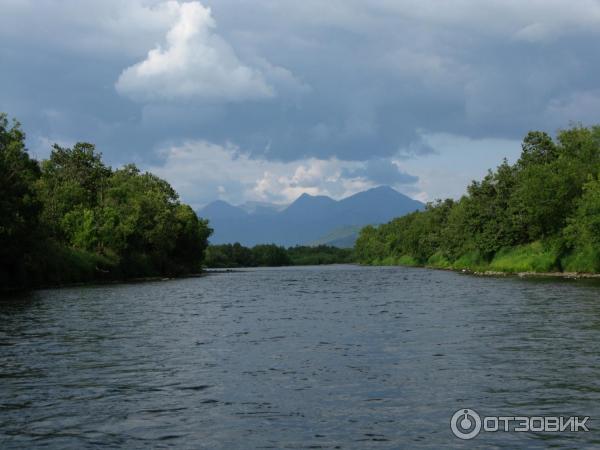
(312, 357)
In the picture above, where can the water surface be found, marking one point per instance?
(314, 357)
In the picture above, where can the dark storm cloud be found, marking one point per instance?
(351, 80)
(382, 171)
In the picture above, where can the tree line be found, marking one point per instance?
(271, 255)
(541, 214)
(71, 218)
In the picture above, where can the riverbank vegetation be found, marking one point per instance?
(236, 255)
(71, 218)
(540, 214)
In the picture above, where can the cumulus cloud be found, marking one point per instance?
(195, 64)
(202, 171)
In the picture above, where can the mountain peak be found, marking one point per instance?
(306, 200)
(308, 219)
(382, 188)
(221, 208)
(382, 193)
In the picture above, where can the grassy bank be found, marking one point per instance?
(534, 258)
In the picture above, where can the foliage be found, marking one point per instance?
(229, 255)
(236, 255)
(19, 205)
(302, 255)
(533, 257)
(270, 255)
(540, 214)
(583, 231)
(71, 218)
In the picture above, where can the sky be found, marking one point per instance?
(263, 100)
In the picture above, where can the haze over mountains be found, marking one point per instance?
(308, 220)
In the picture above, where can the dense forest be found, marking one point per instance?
(540, 214)
(71, 218)
(236, 255)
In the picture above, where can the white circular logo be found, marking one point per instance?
(465, 423)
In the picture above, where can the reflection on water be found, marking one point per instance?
(334, 357)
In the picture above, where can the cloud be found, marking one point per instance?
(196, 64)
(578, 106)
(382, 171)
(107, 28)
(455, 162)
(202, 171)
(354, 87)
(534, 20)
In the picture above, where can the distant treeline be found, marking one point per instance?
(71, 218)
(236, 255)
(540, 214)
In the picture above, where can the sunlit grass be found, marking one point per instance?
(534, 257)
(586, 259)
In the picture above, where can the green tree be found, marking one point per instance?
(191, 239)
(19, 207)
(72, 182)
(526, 204)
(369, 245)
(270, 255)
(537, 148)
(583, 231)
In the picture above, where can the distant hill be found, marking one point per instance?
(308, 220)
(343, 237)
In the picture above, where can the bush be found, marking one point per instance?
(583, 259)
(438, 260)
(534, 257)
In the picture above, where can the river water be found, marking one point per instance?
(312, 357)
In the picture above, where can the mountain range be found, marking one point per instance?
(309, 220)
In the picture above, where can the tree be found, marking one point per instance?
(583, 230)
(369, 245)
(191, 239)
(72, 182)
(537, 148)
(73, 219)
(530, 202)
(19, 207)
(270, 255)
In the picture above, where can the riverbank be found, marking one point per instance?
(497, 273)
(537, 259)
(100, 282)
(563, 275)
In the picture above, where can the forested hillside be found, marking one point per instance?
(71, 218)
(540, 214)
